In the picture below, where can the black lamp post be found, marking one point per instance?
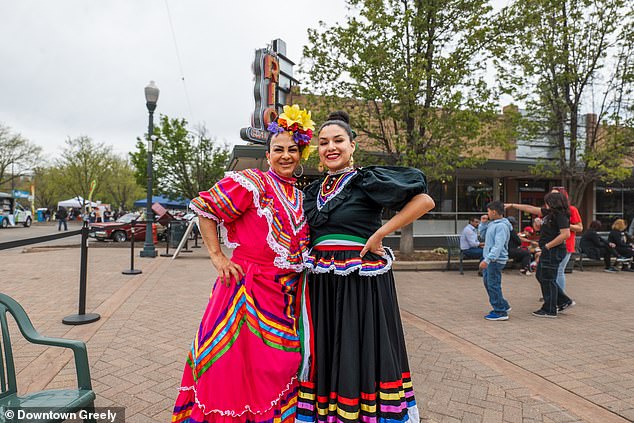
(151, 97)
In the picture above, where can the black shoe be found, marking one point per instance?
(627, 269)
(564, 307)
(610, 269)
(542, 313)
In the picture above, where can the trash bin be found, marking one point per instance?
(40, 215)
(177, 230)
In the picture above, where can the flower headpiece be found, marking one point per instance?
(295, 121)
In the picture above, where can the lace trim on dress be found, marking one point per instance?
(281, 260)
(247, 408)
(221, 226)
(349, 266)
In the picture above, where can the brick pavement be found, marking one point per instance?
(577, 368)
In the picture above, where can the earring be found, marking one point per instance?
(301, 172)
(351, 161)
(320, 167)
(268, 162)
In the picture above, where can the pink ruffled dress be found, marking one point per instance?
(245, 357)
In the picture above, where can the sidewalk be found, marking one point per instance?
(577, 368)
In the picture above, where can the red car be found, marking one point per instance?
(119, 231)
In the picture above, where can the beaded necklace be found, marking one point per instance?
(332, 185)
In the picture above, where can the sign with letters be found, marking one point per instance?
(273, 74)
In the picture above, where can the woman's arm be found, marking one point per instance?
(225, 267)
(415, 208)
(564, 234)
(525, 208)
(577, 227)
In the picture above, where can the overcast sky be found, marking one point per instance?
(78, 67)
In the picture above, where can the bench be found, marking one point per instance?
(58, 400)
(453, 250)
(580, 257)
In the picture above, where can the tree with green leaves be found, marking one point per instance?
(564, 59)
(120, 188)
(49, 189)
(185, 162)
(18, 155)
(411, 74)
(83, 161)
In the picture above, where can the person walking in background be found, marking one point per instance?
(470, 245)
(622, 242)
(495, 255)
(555, 230)
(575, 227)
(596, 247)
(62, 216)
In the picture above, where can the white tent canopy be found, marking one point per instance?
(76, 202)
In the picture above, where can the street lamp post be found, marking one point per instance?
(151, 97)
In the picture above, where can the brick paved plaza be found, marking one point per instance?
(577, 368)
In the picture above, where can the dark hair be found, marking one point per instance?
(557, 203)
(496, 206)
(341, 119)
(562, 190)
(270, 138)
(473, 219)
(595, 225)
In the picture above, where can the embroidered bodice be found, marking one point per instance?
(243, 200)
(346, 209)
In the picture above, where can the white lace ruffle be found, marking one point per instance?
(281, 260)
(221, 225)
(247, 408)
(358, 267)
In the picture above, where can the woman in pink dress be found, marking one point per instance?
(244, 359)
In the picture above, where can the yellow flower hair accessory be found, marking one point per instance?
(297, 121)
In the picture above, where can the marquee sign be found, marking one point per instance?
(273, 73)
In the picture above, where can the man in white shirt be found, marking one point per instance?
(470, 245)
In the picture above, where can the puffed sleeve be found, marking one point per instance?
(224, 202)
(391, 186)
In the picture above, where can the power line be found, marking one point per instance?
(180, 64)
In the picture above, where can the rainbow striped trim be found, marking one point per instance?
(340, 182)
(324, 257)
(275, 331)
(278, 238)
(392, 402)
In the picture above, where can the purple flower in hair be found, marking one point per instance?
(275, 128)
(301, 138)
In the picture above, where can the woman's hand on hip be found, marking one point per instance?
(227, 269)
(374, 244)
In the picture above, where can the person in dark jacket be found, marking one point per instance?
(62, 216)
(596, 247)
(516, 252)
(622, 241)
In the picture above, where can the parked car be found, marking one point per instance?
(119, 230)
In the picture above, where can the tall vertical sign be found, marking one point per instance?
(273, 73)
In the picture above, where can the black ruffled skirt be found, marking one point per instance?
(359, 368)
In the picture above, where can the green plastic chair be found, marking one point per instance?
(57, 400)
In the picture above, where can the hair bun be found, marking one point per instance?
(339, 115)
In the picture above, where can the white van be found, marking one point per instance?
(12, 213)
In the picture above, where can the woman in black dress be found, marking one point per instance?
(359, 369)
